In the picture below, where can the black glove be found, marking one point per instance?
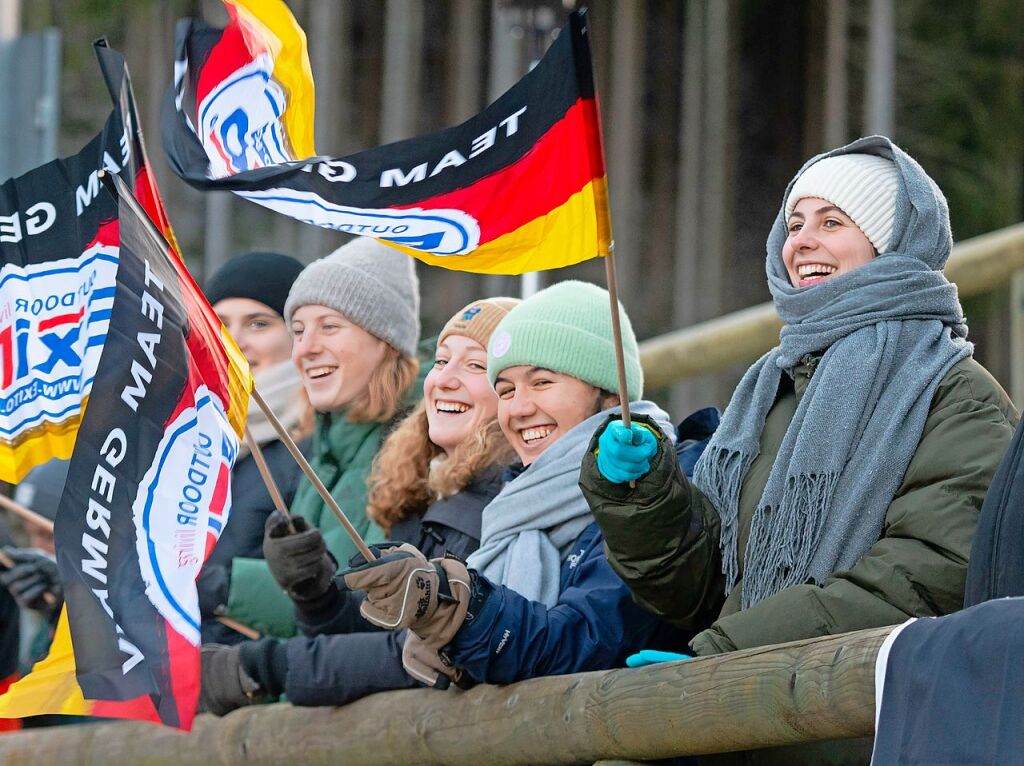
(33, 575)
(224, 684)
(298, 560)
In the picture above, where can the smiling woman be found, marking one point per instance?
(841, 490)
(248, 294)
(354, 317)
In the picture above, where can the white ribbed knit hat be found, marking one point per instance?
(861, 185)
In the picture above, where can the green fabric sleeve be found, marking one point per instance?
(919, 566)
(255, 599)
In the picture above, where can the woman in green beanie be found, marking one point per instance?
(354, 317)
(538, 597)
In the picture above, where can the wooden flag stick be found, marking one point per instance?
(268, 479)
(307, 469)
(238, 627)
(620, 362)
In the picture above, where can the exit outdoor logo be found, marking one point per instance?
(53, 323)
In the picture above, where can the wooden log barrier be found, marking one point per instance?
(800, 692)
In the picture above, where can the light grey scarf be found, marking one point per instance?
(529, 527)
(889, 330)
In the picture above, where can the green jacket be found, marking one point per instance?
(343, 454)
(662, 537)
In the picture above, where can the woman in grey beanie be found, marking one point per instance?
(354, 317)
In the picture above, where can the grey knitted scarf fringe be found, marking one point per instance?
(887, 333)
(531, 526)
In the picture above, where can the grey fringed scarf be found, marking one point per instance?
(889, 331)
(529, 527)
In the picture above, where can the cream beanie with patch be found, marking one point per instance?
(861, 185)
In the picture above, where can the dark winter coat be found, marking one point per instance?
(953, 690)
(594, 625)
(342, 657)
(251, 504)
(663, 536)
(996, 568)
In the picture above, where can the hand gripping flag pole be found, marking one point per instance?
(30, 516)
(289, 442)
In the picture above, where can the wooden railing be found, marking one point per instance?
(805, 691)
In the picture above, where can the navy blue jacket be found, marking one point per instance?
(996, 566)
(594, 625)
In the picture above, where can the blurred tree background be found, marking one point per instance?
(709, 107)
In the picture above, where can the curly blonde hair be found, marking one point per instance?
(410, 471)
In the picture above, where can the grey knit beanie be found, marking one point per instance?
(372, 284)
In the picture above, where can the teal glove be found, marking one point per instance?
(624, 454)
(653, 657)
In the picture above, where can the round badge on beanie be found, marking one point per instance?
(373, 285)
(567, 328)
(861, 185)
(259, 276)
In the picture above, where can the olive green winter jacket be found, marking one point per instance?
(662, 537)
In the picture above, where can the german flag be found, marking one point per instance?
(519, 187)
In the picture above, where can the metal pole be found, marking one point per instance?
(508, 62)
(403, 44)
(10, 19)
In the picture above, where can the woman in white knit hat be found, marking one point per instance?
(354, 317)
(841, 490)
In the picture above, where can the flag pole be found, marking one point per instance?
(307, 469)
(268, 478)
(27, 515)
(620, 362)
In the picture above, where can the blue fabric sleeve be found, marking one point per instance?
(593, 626)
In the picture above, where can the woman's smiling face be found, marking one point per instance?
(459, 399)
(537, 407)
(822, 242)
(334, 356)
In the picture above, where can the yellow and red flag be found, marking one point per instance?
(519, 187)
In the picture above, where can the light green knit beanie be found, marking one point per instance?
(567, 328)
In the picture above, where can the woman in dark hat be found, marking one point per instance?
(248, 293)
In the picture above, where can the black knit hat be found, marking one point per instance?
(263, 277)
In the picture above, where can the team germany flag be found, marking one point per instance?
(519, 187)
